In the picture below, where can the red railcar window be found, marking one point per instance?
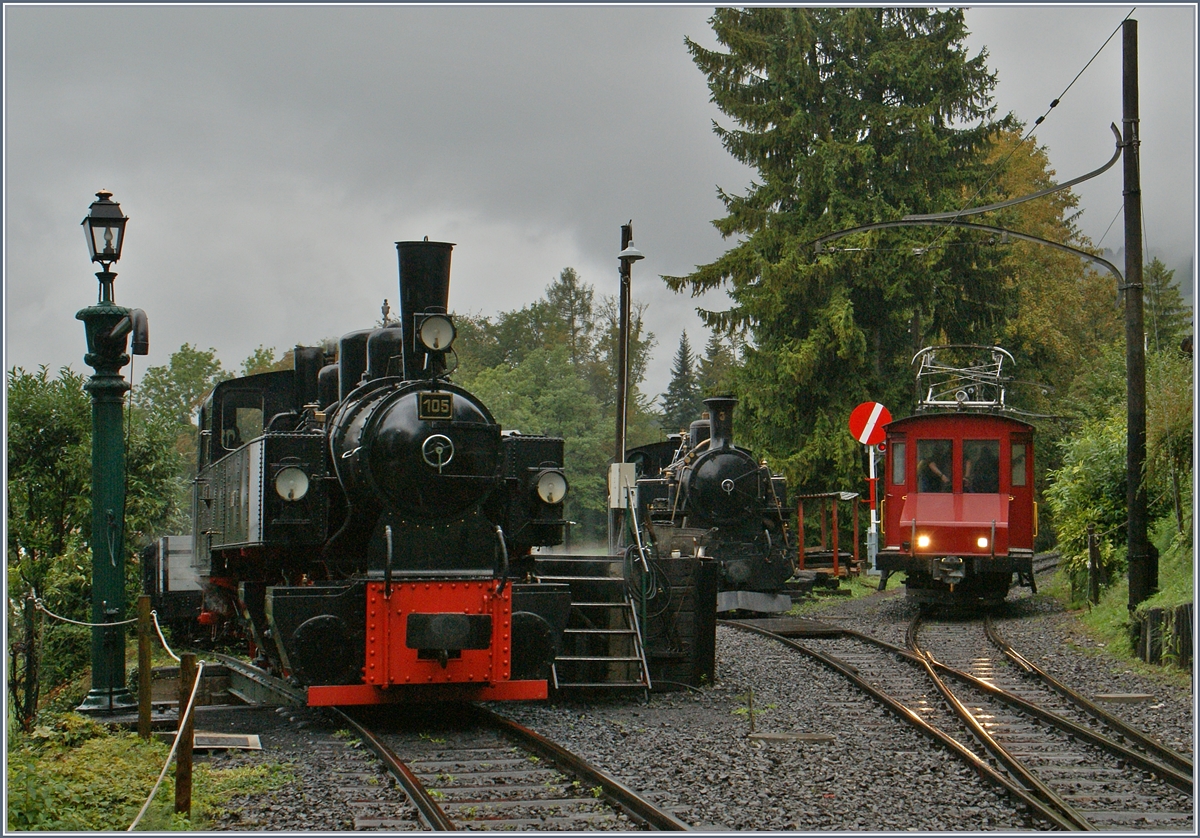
(898, 469)
(981, 465)
(1018, 463)
(933, 465)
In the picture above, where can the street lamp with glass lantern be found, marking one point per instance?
(108, 327)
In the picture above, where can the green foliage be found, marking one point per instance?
(550, 368)
(718, 366)
(52, 780)
(1089, 486)
(682, 403)
(175, 391)
(1169, 434)
(849, 116)
(1167, 317)
(49, 502)
(64, 650)
(263, 360)
(543, 394)
(49, 473)
(1090, 489)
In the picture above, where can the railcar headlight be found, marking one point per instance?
(982, 541)
(551, 486)
(436, 333)
(922, 541)
(291, 483)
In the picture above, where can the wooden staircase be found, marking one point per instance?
(602, 645)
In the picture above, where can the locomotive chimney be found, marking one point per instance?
(424, 287)
(720, 417)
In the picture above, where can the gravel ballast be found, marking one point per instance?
(831, 760)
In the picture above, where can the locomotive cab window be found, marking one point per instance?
(241, 418)
(981, 465)
(933, 465)
(898, 466)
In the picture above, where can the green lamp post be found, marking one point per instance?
(108, 328)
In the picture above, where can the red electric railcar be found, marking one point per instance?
(958, 512)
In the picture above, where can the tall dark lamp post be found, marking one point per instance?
(628, 255)
(108, 327)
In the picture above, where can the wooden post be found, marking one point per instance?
(183, 755)
(800, 533)
(856, 533)
(835, 538)
(144, 667)
(1093, 566)
(824, 524)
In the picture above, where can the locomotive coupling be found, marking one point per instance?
(949, 569)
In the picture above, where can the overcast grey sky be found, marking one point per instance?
(269, 156)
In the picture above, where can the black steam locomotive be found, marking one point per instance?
(700, 495)
(372, 525)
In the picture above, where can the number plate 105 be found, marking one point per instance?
(435, 405)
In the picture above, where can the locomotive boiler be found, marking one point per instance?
(371, 523)
(700, 494)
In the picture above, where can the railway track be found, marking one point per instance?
(1074, 766)
(470, 769)
(462, 767)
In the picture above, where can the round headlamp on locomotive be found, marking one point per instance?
(375, 522)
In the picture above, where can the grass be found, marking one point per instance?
(52, 772)
(52, 780)
(859, 587)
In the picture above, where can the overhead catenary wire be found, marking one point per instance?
(999, 165)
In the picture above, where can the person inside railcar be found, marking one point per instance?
(981, 468)
(933, 465)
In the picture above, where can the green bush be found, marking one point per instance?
(1090, 489)
(63, 652)
(73, 774)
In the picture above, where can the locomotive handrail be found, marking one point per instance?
(387, 567)
(503, 560)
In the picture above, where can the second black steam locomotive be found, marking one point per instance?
(699, 494)
(372, 524)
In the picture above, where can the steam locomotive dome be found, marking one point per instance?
(428, 454)
(723, 486)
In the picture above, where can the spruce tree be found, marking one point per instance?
(716, 368)
(850, 116)
(1168, 319)
(682, 403)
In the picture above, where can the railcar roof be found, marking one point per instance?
(952, 418)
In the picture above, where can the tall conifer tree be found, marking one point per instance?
(849, 116)
(682, 403)
(1167, 316)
